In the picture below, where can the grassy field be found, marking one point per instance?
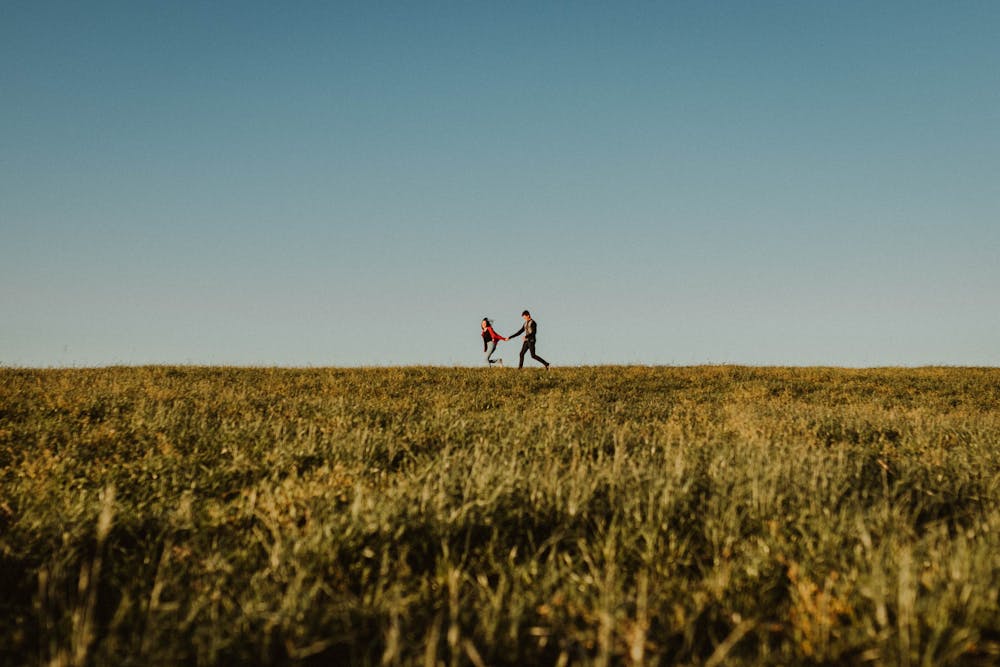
(704, 516)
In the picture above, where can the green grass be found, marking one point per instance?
(711, 515)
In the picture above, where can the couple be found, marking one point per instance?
(491, 337)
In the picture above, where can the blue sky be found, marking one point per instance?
(359, 183)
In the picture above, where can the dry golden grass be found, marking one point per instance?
(611, 515)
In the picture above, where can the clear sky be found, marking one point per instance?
(339, 183)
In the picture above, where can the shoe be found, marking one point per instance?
(500, 363)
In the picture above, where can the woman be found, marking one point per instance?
(490, 339)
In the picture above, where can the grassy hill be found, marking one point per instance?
(609, 515)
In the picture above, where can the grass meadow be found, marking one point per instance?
(436, 516)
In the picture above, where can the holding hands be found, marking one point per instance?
(530, 331)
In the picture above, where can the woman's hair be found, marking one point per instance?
(488, 321)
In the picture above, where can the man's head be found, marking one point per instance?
(526, 315)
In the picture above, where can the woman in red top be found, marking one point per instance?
(490, 339)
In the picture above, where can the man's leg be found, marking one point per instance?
(524, 348)
(536, 357)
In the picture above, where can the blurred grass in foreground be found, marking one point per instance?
(609, 515)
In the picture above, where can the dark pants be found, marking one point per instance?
(530, 345)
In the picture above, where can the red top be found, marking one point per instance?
(492, 334)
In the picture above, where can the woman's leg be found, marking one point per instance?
(489, 352)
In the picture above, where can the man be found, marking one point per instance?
(529, 329)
